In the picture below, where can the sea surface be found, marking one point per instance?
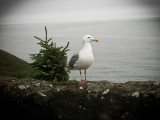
(126, 51)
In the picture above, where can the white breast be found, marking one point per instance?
(85, 59)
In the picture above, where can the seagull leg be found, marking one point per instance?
(82, 81)
(80, 75)
(85, 76)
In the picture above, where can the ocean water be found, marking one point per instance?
(126, 51)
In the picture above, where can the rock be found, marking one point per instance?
(13, 80)
(81, 88)
(50, 85)
(58, 89)
(106, 91)
(27, 86)
(156, 83)
(41, 94)
(21, 87)
(102, 97)
(37, 84)
(135, 94)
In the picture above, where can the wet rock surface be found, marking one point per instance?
(28, 99)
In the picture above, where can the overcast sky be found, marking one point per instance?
(37, 11)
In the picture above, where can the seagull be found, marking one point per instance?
(84, 58)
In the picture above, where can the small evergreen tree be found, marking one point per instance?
(50, 63)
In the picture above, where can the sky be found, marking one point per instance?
(37, 11)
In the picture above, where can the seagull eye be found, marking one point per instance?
(89, 37)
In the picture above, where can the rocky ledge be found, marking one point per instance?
(27, 99)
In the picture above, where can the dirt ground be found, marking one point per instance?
(28, 99)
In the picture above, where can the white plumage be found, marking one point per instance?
(84, 58)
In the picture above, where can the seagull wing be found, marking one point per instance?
(73, 60)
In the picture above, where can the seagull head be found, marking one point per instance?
(89, 38)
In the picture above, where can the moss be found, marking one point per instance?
(64, 82)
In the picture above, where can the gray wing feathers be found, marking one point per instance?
(73, 60)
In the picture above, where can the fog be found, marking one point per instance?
(40, 11)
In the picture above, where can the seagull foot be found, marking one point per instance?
(83, 81)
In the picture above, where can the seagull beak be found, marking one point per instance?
(96, 40)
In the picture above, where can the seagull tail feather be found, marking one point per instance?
(68, 67)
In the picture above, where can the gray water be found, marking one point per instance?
(126, 51)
